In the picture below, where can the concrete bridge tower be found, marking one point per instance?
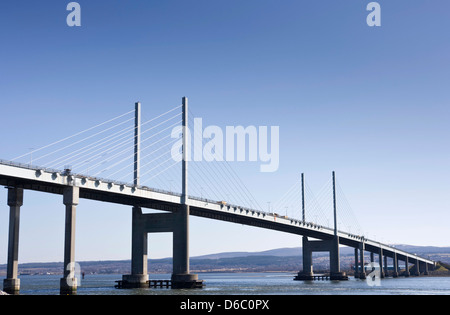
(329, 245)
(176, 222)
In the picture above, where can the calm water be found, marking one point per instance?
(245, 284)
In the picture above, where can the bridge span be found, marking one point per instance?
(19, 178)
(177, 208)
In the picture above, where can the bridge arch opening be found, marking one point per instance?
(160, 251)
(321, 262)
(240, 240)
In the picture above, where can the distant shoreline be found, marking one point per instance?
(287, 260)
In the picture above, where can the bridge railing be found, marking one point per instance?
(94, 178)
(29, 166)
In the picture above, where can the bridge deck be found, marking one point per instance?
(54, 181)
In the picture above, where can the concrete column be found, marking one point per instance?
(139, 251)
(181, 241)
(417, 267)
(407, 273)
(307, 260)
(181, 277)
(68, 284)
(395, 261)
(385, 266)
(335, 264)
(362, 273)
(307, 272)
(380, 259)
(426, 270)
(139, 246)
(356, 264)
(11, 284)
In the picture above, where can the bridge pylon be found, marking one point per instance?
(329, 245)
(176, 222)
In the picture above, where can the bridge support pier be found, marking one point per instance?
(362, 273)
(356, 264)
(417, 268)
(68, 284)
(380, 259)
(11, 284)
(395, 260)
(307, 274)
(331, 246)
(335, 263)
(176, 222)
(425, 272)
(139, 247)
(181, 276)
(385, 266)
(407, 273)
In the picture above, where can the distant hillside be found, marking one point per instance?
(281, 259)
(423, 249)
(426, 251)
(280, 252)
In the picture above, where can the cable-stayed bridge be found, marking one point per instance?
(131, 161)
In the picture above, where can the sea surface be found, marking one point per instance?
(245, 284)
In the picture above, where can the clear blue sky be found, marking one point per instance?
(370, 103)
